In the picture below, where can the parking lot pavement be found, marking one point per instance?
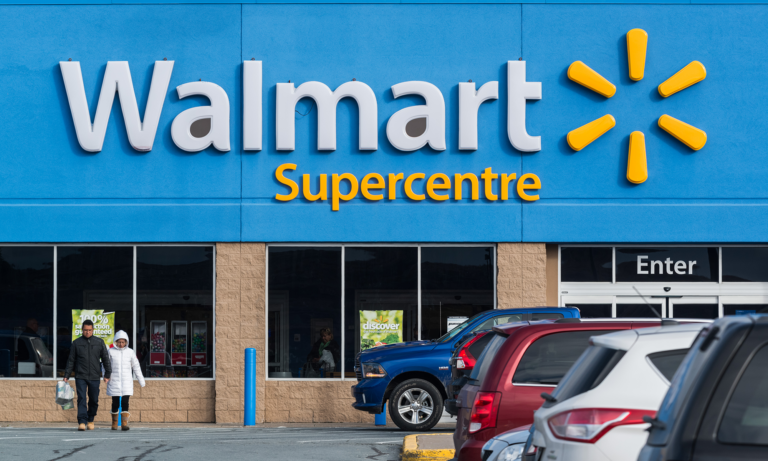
(208, 443)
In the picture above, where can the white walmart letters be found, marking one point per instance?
(252, 105)
(518, 91)
(326, 102)
(141, 135)
(433, 111)
(117, 77)
(218, 112)
(469, 103)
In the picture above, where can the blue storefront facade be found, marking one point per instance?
(433, 152)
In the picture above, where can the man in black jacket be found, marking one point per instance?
(84, 359)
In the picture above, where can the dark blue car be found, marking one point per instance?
(414, 376)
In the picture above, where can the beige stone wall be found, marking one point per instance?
(522, 275)
(312, 402)
(240, 323)
(158, 402)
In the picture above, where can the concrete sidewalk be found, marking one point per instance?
(52, 425)
(428, 447)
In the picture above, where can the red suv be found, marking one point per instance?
(523, 360)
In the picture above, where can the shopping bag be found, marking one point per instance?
(64, 395)
(326, 360)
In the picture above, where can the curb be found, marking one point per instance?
(411, 451)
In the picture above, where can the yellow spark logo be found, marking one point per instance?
(637, 167)
(381, 319)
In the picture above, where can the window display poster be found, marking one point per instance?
(103, 324)
(378, 328)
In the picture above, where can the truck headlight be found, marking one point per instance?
(511, 453)
(373, 370)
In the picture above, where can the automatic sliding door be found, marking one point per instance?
(591, 306)
(694, 307)
(744, 305)
(637, 307)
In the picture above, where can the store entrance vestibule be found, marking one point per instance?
(671, 281)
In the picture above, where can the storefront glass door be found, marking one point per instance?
(744, 305)
(693, 307)
(638, 307)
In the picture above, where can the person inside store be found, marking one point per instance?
(23, 353)
(32, 328)
(88, 354)
(324, 356)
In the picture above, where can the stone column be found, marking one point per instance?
(522, 275)
(240, 323)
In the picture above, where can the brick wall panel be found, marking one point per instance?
(521, 279)
(152, 416)
(176, 416)
(164, 404)
(201, 416)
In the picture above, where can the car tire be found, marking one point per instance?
(415, 405)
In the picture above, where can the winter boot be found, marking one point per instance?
(90, 426)
(114, 421)
(81, 427)
(124, 420)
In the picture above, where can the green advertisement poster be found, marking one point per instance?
(378, 328)
(103, 324)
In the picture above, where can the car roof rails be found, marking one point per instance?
(669, 322)
(568, 320)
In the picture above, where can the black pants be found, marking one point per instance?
(116, 403)
(87, 411)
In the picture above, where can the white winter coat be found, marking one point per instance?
(124, 362)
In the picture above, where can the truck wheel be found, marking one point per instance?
(416, 405)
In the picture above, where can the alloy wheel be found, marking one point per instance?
(415, 405)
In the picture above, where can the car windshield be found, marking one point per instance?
(458, 329)
(486, 358)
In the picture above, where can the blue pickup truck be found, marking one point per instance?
(414, 376)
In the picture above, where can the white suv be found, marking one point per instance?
(596, 413)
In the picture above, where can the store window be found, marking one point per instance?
(92, 278)
(304, 306)
(380, 285)
(309, 316)
(745, 264)
(174, 311)
(170, 295)
(456, 283)
(586, 264)
(26, 312)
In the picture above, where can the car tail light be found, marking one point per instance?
(465, 360)
(530, 455)
(588, 425)
(484, 411)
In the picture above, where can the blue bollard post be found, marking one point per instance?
(120, 412)
(249, 412)
(381, 418)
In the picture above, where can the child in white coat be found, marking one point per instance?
(124, 363)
